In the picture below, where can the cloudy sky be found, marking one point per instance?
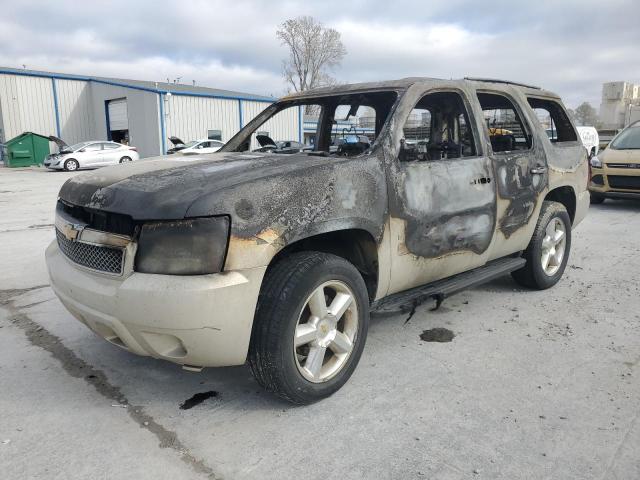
(570, 47)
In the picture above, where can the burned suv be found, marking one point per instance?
(278, 259)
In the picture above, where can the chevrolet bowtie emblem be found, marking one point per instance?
(72, 230)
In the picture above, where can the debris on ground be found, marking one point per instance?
(197, 399)
(437, 334)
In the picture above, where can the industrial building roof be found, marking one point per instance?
(146, 85)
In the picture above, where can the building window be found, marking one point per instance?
(214, 134)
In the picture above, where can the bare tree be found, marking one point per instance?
(314, 50)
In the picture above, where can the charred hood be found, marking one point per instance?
(166, 188)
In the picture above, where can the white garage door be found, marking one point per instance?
(118, 119)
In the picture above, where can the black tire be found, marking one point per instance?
(596, 198)
(532, 275)
(125, 159)
(71, 165)
(285, 289)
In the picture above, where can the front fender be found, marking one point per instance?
(259, 249)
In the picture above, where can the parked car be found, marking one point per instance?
(201, 147)
(615, 171)
(267, 145)
(178, 145)
(92, 154)
(278, 259)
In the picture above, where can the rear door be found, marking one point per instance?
(112, 153)
(520, 165)
(442, 187)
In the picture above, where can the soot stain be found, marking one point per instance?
(197, 399)
(437, 334)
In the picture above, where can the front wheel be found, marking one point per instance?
(125, 159)
(548, 250)
(71, 165)
(310, 326)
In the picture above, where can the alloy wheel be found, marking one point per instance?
(553, 246)
(326, 331)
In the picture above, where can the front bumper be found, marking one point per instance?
(615, 182)
(53, 163)
(200, 320)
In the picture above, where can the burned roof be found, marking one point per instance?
(404, 83)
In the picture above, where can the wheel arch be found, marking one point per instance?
(357, 246)
(565, 195)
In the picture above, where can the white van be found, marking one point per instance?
(590, 139)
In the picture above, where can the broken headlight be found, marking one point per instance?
(195, 246)
(596, 162)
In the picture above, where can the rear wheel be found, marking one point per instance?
(310, 326)
(548, 250)
(596, 198)
(71, 165)
(125, 159)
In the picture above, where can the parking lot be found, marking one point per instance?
(534, 384)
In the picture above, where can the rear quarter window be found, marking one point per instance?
(554, 120)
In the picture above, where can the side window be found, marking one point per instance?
(553, 119)
(94, 147)
(110, 146)
(437, 128)
(507, 130)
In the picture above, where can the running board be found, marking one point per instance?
(407, 301)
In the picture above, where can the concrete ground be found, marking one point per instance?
(534, 385)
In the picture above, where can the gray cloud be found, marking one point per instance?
(571, 47)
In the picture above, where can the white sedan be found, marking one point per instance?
(92, 154)
(197, 146)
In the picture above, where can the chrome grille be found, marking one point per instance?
(103, 259)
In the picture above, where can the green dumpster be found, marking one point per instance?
(27, 149)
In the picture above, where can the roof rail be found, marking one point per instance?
(494, 80)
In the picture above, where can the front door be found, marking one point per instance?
(442, 191)
(91, 155)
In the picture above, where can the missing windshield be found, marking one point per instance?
(333, 125)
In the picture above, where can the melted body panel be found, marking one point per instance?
(429, 219)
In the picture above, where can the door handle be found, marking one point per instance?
(538, 170)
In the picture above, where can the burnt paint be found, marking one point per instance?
(297, 196)
(293, 195)
(445, 206)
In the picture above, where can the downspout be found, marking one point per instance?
(162, 125)
(55, 107)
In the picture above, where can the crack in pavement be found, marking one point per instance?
(78, 368)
